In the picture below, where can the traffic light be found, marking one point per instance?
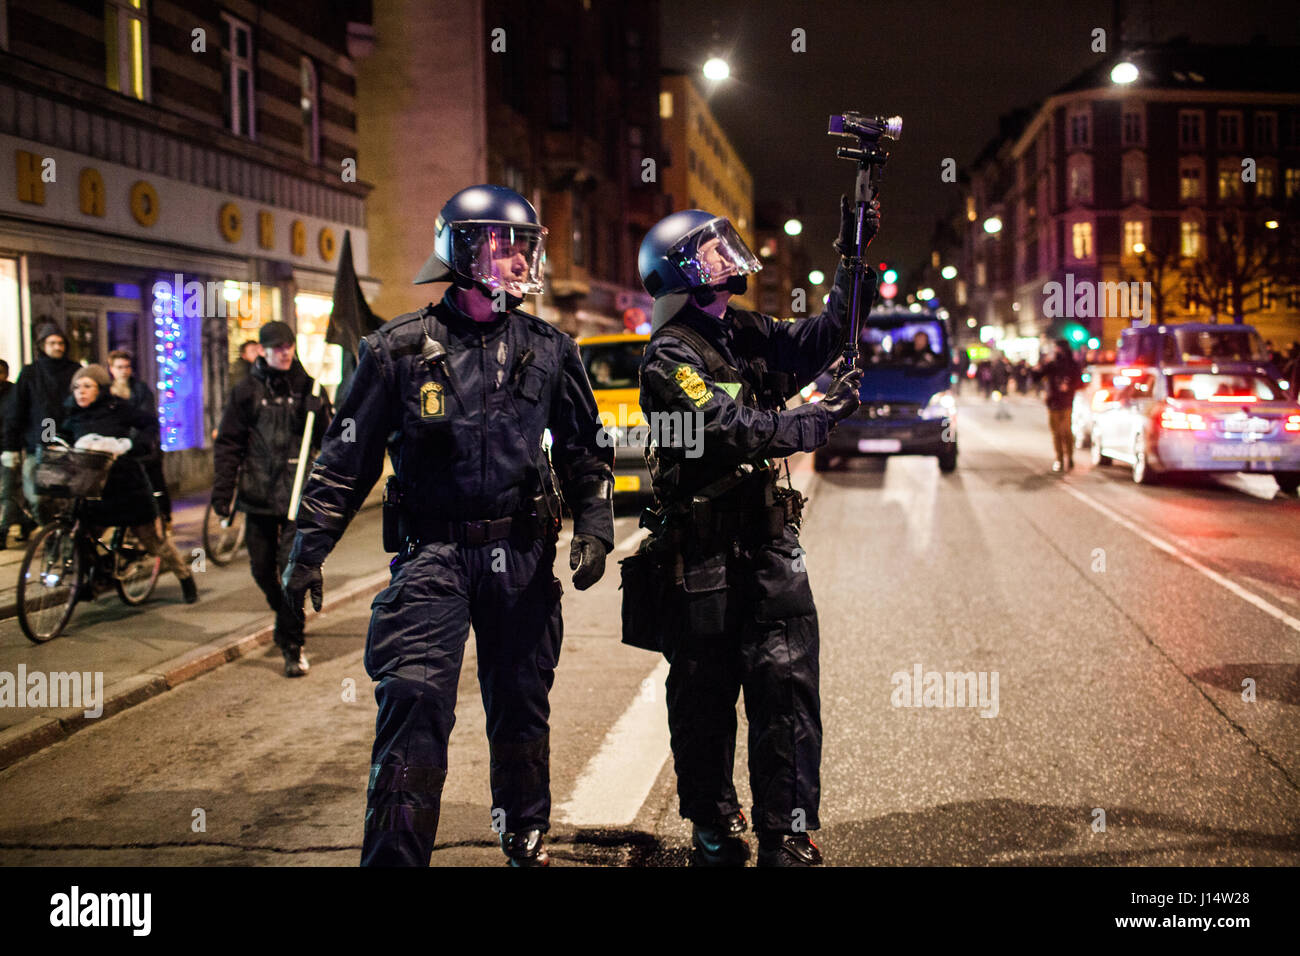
(1076, 333)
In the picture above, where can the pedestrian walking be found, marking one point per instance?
(1061, 378)
(256, 451)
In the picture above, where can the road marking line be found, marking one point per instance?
(614, 785)
(631, 539)
(1248, 596)
(1269, 609)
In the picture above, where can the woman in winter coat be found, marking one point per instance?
(127, 498)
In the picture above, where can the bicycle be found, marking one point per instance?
(222, 537)
(67, 559)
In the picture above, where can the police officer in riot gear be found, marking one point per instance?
(738, 610)
(463, 392)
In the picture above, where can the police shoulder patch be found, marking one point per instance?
(693, 385)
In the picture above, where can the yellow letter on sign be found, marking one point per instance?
(298, 238)
(30, 187)
(265, 230)
(92, 192)
(231, 222)
(327, 243)
(144, 203)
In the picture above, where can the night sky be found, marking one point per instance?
(949, 69)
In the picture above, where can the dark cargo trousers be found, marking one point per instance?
(746, 619)
(418, 628)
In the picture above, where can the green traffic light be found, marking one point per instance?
(891, 275)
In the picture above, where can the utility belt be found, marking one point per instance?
(704, 525)
(405, 531)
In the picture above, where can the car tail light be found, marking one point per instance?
(1173, 419)
(1292, 423)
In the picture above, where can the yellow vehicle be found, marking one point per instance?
(612, 362)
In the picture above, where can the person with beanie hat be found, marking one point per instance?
(257, 450)
(127, 498)
(36, 407)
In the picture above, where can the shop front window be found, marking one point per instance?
(11, 335)
(178, 360)
(322, 360)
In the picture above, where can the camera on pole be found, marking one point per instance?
(871, 157)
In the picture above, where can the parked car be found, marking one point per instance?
(1198, 418)
(612, 363)
(1098, 389)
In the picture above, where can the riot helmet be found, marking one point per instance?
(490, 237)
(692, 252)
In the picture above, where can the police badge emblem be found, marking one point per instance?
(431, 400)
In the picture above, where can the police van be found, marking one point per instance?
(908, 404)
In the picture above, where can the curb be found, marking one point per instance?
(23, 740)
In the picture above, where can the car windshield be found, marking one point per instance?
(1228, 345)
(918, 343)
(613, 364)
(1209, 387)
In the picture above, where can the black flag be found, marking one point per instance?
(351, 318)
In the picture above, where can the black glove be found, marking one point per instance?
(844, 245)
(586, 560)
(296, 581)
(841, 399)
(221, 508)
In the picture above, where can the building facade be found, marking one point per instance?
(173, 175)
(1186, 179)
(557, 100)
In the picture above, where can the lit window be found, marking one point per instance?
(1291, 185)
(1189, 180)
(126, 40)
(1229, 180)
(1265, 182)
(238, 79)
(1081, 238)
(1080, 178)
(310, 112)
(1133, 233)
(1134, 178)
(1190, 238)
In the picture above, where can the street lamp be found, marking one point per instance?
(948, 272)
(1123, 73)
(817, 277)
(926, 294)
(1271, 224)
(716, 69)
(793, 227)
(992, 225)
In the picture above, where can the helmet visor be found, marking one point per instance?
(713, 253)
(500, 255)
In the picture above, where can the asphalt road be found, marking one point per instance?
(1119, 622)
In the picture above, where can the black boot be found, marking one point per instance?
(787, 849)
(190, 590)
(720, 843)
(525, 849)
(295, 661)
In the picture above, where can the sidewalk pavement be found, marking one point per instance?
(142, 652)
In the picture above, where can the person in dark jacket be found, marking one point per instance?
(36, 407)
(127, 498)
(12, 511)
(462, 393)
(240, 367)
(739, 610)
(1061, 379)
(141, 399)
(256, 455)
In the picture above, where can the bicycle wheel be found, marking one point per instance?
(222, 537)
(135, 570)
(49, 581)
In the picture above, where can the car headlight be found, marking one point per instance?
(941, 405)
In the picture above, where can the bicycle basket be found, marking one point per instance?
(71, 472)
